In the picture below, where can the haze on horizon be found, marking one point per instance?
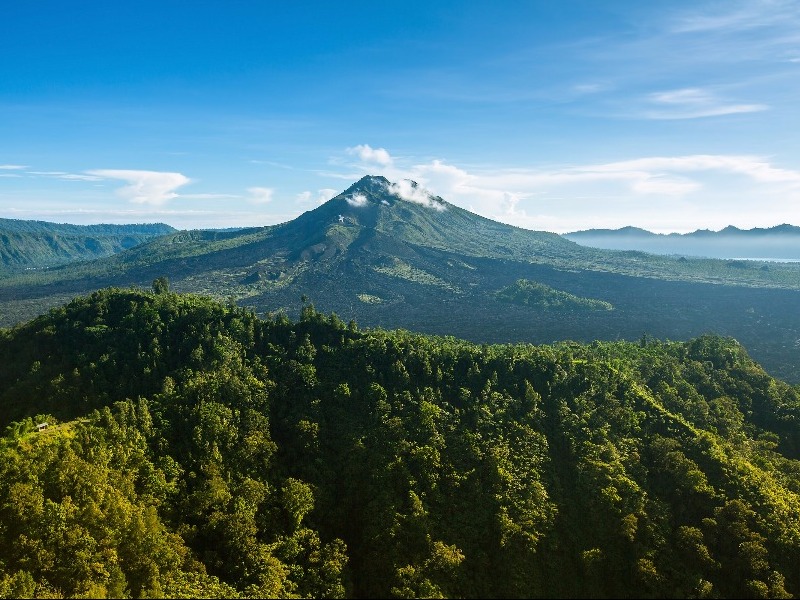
(557, 116)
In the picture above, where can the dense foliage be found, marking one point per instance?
(541, 296)
(193, 449)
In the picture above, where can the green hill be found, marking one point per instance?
(195, 450)
(543, 297)
(26, 245)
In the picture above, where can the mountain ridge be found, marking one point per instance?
(782, 229)
(28, 244)
(778, 242)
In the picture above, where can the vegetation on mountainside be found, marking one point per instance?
(31, 245)
(195, 450)
(541, 296)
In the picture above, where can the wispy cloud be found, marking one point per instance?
(190, 219)
(368, 154)
(272, 163)
(411, 192)
(738, 16)
(357, 200)
(260, 195)
(12, 167)
(321, 196)
(145, 187)
(590, 88)
(697, 60)
(210, 196)
(755, 167)
(694, 103)
(65, 176)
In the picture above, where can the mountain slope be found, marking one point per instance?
(270, 458)
(39, 244)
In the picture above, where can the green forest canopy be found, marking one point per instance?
(194, 450)
(541, 296)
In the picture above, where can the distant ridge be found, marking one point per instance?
(26, 245)
(778, 242)
(102, 229)
(783, 229)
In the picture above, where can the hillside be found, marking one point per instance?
(26, 245)
(194, 450)
(391, 255)
(781, 242)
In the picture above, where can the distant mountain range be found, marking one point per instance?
(391, 255)
(38, 244)
(779, 242)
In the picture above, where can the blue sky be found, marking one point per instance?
(551, 115)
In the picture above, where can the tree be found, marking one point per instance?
(161, 285)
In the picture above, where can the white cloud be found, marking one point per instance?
(367, 154)
(145, 187)
(684, 96)
(660, 193)
(590, 88)
(664, 185)
(210, 196)
(66, 176)
(754, 167)
(739, 16)
(358, 200)
(694, 103)
(181, 219)
(79, 177)
(411, 192)
(12, 167)
(260, 195)
(320, 197)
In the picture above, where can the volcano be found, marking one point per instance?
(393, 255)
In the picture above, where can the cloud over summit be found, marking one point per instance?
(357, 200)
(409, 191)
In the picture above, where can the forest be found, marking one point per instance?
(169, 445)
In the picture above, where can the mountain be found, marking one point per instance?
(39, 244)
(780, 242)
(392, 255)
(167, 445)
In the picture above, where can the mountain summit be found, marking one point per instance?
(408, 214)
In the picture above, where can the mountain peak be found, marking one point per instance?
(377, 190)
(369, 184)
(372, 180)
